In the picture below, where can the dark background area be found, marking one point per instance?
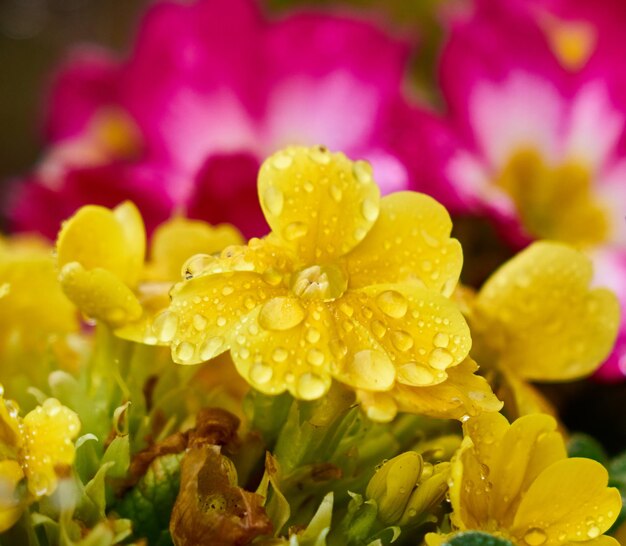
(34, 36)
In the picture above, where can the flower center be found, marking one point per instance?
(319, 282)
(554, 202)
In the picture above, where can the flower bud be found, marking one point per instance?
(393, 483)
(429, 493)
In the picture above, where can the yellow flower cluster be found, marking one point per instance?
(35, 448)
(515, 481)
(347, 287)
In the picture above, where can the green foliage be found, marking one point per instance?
(475, 538)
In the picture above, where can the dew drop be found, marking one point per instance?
(295, 230)
(320, 155)
(392, 303)
(441, 340)
(336, 192)
(315, 357)
(184, 352)
(249, 303)
(593, 532)
(346, 309)
(412, 373)
(535, 537)
(211, 348)
(369, 210)
(360, 233)
(227, 290)
(221, 321)
(310, 386)
(272, 277)
(273, 200)
(280, 355)
(281, 314)
(401, 340)
(313, 335)
(281, 161)
(362, 172)
(261, 373)
(440, 359)
(199, 322)
(196, 265)
(371, 370)
(308, 186)
(379, 329)
(164, 326)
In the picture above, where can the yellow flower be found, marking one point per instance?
(538, 319)
(35, 448)
(515, 481)
(33, 308)
(101, 254)
(347, 286)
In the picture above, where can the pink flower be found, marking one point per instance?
(534, 134)
(210, 88)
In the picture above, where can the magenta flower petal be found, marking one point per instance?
(86, 83)
(209, 89)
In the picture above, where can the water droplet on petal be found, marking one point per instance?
(401, 340)
(336, 192)
(281, 161)
(320, 155)
(184, 352)
(360, 233)
(196, 265)
(535, 537)
(164, 326)
(295, 230)
(362, 171)
(281, 314)
(593, 532)
(199, 322)
(392, 303)
(279, 355)
(440, 359)
(315, 357)
(441, 340)
(412, 373)
(261, 373)
(370, 209)
(378, 328)
(313, 335)
(273, 200)
(310, 386)
(371, 370)
(211, 347)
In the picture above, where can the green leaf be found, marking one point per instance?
(475, 538)
(117, 453)
(617, 478)
(583, 445)
(149, 503)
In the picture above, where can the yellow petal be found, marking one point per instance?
(154, 298)
(521, 398)
(410, 241)
(10, 435)
(529, 445)
(297, 358)
(461, 395)
(206, 310)
(10, 507)
(398, 332)
(48, 431)
(319, 203)
(539, 314)
(176, 240)
(97, 237)
(568, 501)
(27, 313)
(99, 294)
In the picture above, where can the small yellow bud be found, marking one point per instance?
(428, 493)
(393, 483)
